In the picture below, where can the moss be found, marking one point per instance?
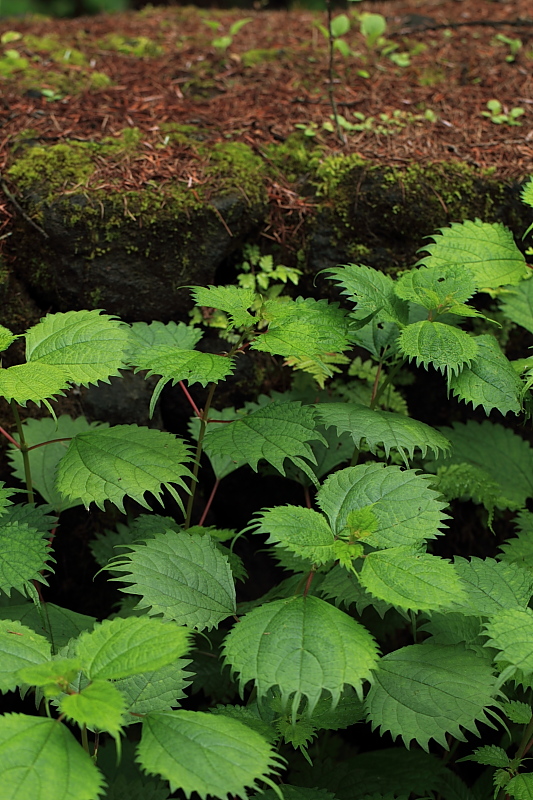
(138, 46)
(252, 57)
(235, 167)
(296, 157)
(56, 51)
(55, 167)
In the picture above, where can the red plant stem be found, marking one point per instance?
(51, 441)
(210, 500)
(308, 582)
(191, 401)
(307, 497)
(9, 437)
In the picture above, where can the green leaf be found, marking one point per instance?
(249, 715)
(503, 455)
(426, 691)
(371, 291)
(158, 690)
(468, 482)
(406, 509)
(518, 712)
(234, 300)
(301, 530)
(488, 250)
(24, 554)
(119, 648)
(53, 676)
(87, 344)
(526, 193)
(517, 304)
(446, 348)
(456, 628)
(437, 288)
(511, 633)
(221, 465)
(19, 647)
(143, 336)
(490, 755)
(110, 463)
(50, 763)
(6, 338)
(411, 580)
(489, 586)
(192, 366)
(63, 623)
(344, 587)
(340, 25)
(520, 549)
(273, 432)
(182, 576)
(348, 711)
(205, 753)
(296, 793)
(107, 545)
(302, 646)
(99, 705)
(391, 430)
(375, 336)
(33, 381)
(490, 380)
(44, 460)
(521, 787)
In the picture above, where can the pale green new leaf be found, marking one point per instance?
(33, 381)
(143, 336)
(63, 623)
(517, 304)
(446, 348)
(24, 554)
(490, 380)
(6, 338)
(521, 787)
(489, 586)
(407, 510)
(504, 456)
(205, 753)
(511, 633)
(119, 648)
(53, 676)
(301, 530)
(159, 690)
(371, 291)
(437, 287)
(411, 580)
(19, 647)
(87, 344)
(99, 706)
(234, 300)
(273, 432)
(392, 431)
(488, 250)
(110, 463)
(426, 691)
(302, 646)
(182, 576)
(44, 460)
(40, 759)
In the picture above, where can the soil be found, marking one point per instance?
(272, 77)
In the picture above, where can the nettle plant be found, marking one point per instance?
(359, 550)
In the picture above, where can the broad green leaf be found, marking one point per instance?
(348, 711)
(520, 549)
(182, 576)
(6, 503)
(517, 304)
(446, 348)
(426, 691)
(437, 288)
(521, 787)
(411, 580)
(119, 648)
(274, 432)
(24, 554)
(19, 647)
(406, 509)
(109, 544)
(504, 456)
(99, 705)
(340, 25)
(143, 336)
(456, 628)
(490, 755)
(63, 623)
(222, 465)
(110, 463)
(392, 431)
(301, 530)
(44, 460)
(33, 381)
(511, 633)
(489, 586)
(376, 336)
(518, 712)
(234, 300)
(343, 586)
(205, 753)
(159, 690)
(488, 250)
(468, 482)
(53, 676)
(371, 291)
(192, 366)
(303, 646)
(249, 715)
(40, 759)
(6, 338)
(490, 380)
(87, 344)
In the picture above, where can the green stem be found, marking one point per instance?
(197, 455)
(525, 742)
(24, 450)
(387, 382)
(85, 739)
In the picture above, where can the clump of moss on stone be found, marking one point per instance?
(298, 156)
(234, 167)
(55, 167)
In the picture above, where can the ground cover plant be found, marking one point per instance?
(371, 629)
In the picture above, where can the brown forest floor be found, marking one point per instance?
(461, 67)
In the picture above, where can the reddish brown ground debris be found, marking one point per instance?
(461, 67)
